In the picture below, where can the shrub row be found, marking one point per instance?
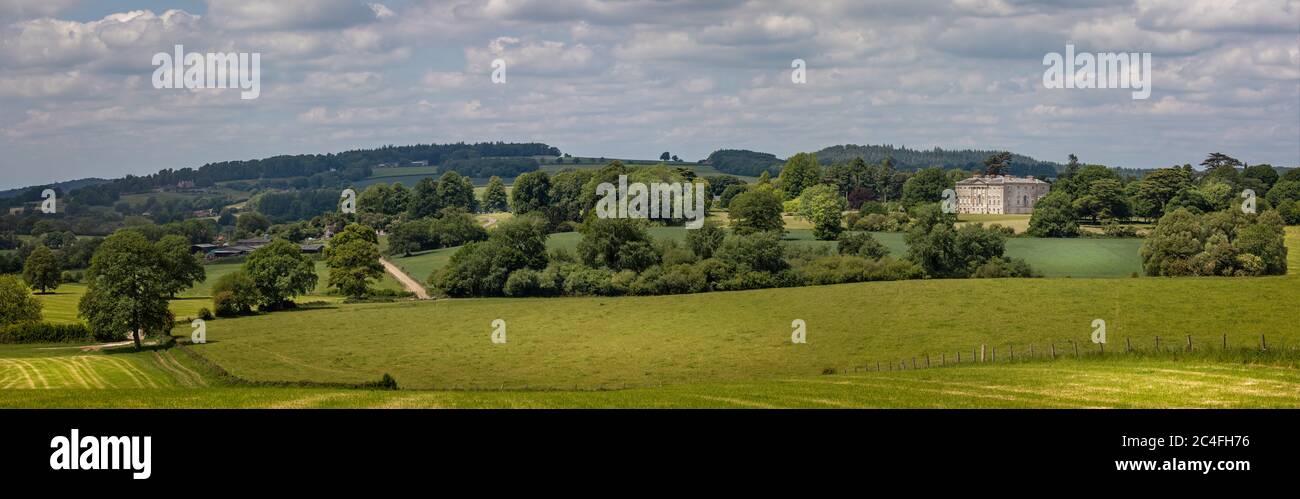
(44, 332)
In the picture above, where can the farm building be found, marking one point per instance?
(1000, 194)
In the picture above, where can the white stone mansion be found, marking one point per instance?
(999, 194)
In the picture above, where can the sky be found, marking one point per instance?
(634, 78)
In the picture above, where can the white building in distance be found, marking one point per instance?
(999, 194)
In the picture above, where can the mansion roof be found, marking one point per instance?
(999, 180)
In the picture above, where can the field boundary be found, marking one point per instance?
(1180, 348)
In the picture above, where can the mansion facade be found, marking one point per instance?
(1000, 194)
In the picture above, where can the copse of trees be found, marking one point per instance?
(1054, 217)
(970, 251)
(1101, 195)
(1225, 243)
(481, 268)
(452, 227)
(743, 162)
(383, 199)
(904, 158)
(617, 243)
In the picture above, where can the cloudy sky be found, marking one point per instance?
(633, 78)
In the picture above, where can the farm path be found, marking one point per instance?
(411, 284)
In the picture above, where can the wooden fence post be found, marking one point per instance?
(1225, 341)
(1076, 348)
(981, 353)
(1189, 343)
(943, 359)
(993, 354)
(1157, 343)
(927, 360)
(1263, 343)
(1128, 345)
(1053, 351)
(959, 356)
(1012, 353)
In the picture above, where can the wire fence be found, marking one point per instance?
(1185, 347)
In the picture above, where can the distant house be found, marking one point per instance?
(311, 248)
(1000, 194)
(204, 213)
(185, 184)
(204, 248)
(420, 163)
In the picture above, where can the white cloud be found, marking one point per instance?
(1219, 15)
(288, 14)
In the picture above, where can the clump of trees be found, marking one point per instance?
(1225, 243)
(452, 227)
(970, 251)
(1099, 195)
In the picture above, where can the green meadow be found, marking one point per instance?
(723, 349)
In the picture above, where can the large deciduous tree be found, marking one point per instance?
(531, 193)
(926, 186)
(182, 267)
(800, 172)
(16, 303)
(126, 289)
(495, 197)
(823, 205)
(353, 260)
(41, 271)
(756, 210)
(280, 272)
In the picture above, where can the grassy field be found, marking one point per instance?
(1018, 222)
(61, 305)
(1061, 384)
(717, 350)
(727, 336)
(63, 367)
